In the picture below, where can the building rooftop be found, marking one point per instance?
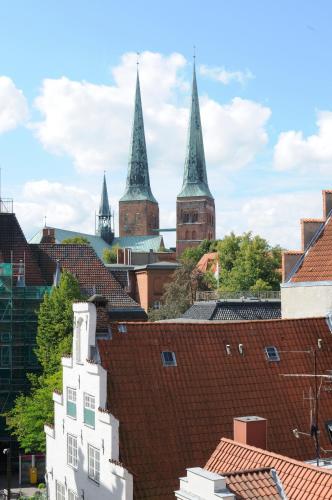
(178, 404)
(298, 480)
(92, 275)
(234, 310)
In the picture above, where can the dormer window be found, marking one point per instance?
(168, 358)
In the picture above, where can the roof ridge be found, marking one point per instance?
(276, 455)
(247, 471)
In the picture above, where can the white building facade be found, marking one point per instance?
(82, 449)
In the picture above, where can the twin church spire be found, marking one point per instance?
(138, 208)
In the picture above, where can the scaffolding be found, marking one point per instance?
(19, 305)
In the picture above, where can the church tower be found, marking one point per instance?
(104, 217)
(138, 208)
(195, 211)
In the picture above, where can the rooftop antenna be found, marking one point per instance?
(194, 54)
(45, 220)
(137, 60)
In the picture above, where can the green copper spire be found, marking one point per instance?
(104, 208)
(195, 181)
(138, 181)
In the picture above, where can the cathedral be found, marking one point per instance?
(138, 208)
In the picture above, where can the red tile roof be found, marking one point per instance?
(14, 247)
(208, 262)
(299, 480)
(258, 484)
(317, 262)
(172, 417)
(92, 275)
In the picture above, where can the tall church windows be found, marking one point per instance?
(194, 235)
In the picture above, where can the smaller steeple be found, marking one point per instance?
(104, 207)
(104, 223)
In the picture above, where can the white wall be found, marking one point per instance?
(306, 300)
(204, 485)
(115, 481)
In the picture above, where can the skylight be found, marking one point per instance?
(168, 358)
(272, 353)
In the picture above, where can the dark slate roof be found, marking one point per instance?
(14, 247)
(92, 275)
(173, 417)
(234, 310)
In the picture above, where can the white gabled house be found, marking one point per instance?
(83, 446)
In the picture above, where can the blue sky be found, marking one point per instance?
(264, 77)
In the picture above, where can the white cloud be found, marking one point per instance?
(13, 105)
(294, 151)
(91, 123)
(275, 217)
(64, 206)
(220, 74)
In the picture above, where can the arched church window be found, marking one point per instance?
(194, 235)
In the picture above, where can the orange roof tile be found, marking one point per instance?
(172, 417)
(208, 262)
(299, 480)
(254, 483)
(317, 261)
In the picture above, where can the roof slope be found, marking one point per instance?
(172, 418)
(14, 247)
(259, 484)
(317, 262)
(234, 310)
(92, 275)
(298, 479)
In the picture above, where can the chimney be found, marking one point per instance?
(48, 235)
(251, 431)
(289, 259)
(120, 256)
(327, 202)
(309, 228)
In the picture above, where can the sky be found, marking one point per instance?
(67, 82)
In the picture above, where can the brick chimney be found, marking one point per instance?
(309, 228)
(327, 202)
(48, 235)
(289, 259)
(251, 431)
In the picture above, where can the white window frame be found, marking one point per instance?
(94, 463)
(72, 395)
(72, 495)
(166, 362)
(60, 492)
(89, 401)
(72, 451)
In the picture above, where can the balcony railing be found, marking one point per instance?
(245, 295)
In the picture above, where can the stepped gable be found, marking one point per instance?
(299, 480)
(92, 275)
(172, 417)
(14, 247)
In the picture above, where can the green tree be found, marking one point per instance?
(55, 323)
(180, 293)
(248, 262)
(196, 253)
(76, 240)
(110, 255)
(27, 418)
(54, 339)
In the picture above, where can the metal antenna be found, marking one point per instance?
(194, 54)
(45, 219)
(137, 60)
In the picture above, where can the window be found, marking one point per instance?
(329, 320)
(72, 495)
(93, 463)
(194, 217)
(71, 402)
(272, 353)
(122, 328)
(5, 355)
(185, 218)
(89, 410)
(78, 339)
(72, 450)
(168, 358)
(194, 235)
(156, 304)
(60, 491)
(328, 426)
